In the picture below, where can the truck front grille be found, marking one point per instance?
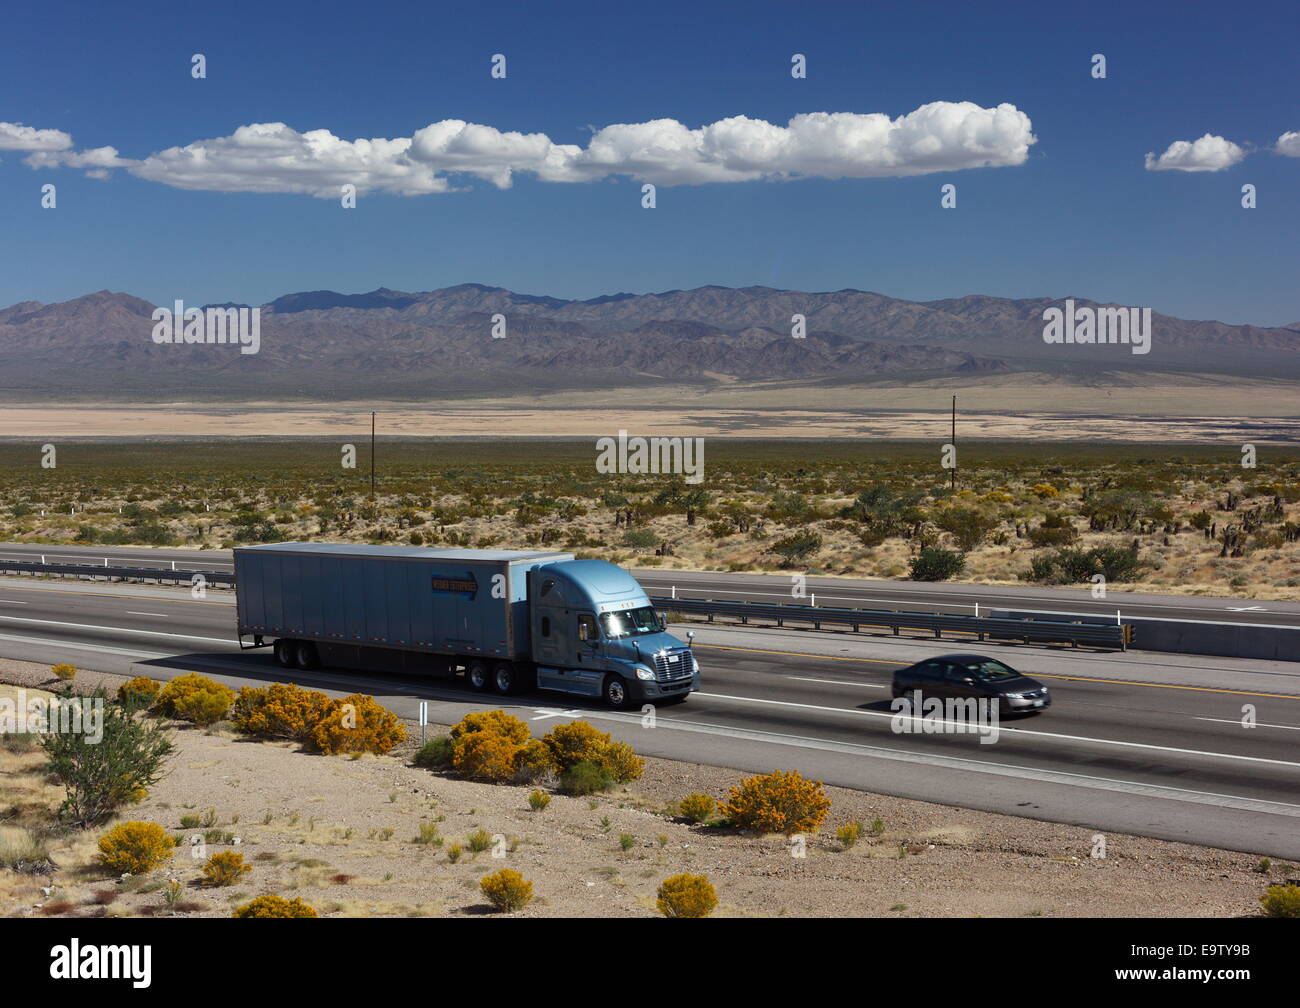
(675, 664)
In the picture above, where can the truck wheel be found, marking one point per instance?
(284, 652)
(505, 679)
(476, 674)
(305, 656)
(615, 692)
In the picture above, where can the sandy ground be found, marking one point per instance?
(1018, 406)
(339, 834)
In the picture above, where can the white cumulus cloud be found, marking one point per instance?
(1289, 144)
(274, 157)
(17, 137)
(1209, 153)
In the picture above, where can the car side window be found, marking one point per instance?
(587, 628)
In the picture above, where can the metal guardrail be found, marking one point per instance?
(214, 578)
(996, 628)
(1115, 636)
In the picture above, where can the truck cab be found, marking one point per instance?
(594, 633)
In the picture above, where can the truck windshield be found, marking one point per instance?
(630, 623)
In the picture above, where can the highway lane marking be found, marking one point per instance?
(1156, 685)
(96, 626)
(97, 648)
(977, 766)
(1106, 611)
(160, 615)
(120, 559)
(1039, 675)
(1237, 721)
(800, 654)
(112, 595)
(1016, 731)
(5, 601)
(837, 682)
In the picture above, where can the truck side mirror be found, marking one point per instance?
(663, 621)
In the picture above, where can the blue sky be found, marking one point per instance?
(1080, 216)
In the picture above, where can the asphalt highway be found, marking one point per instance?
(1152, 745)
(776, 588)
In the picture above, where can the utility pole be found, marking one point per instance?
(954, 443)
(372, 452)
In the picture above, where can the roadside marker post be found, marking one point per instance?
(424, 718)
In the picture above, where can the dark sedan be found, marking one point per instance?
(972, 675)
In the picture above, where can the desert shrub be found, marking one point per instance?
(101, 777)
(21, 849)
(1056, 530)
(696, 807)
(203, 708)
(686, 896)
(849, 834)
(639, 538)
(538, 800)
(575, 742)
(135, 847)
(585, 778)
(795, 549)
(507, 890)
(936, 564)
(281, 710)
(225, 868)
(779, 802)
(626, 841)
(1282, 900)
(969, 526)
(490, 746)
(270, 905)
(434, 754)
(184, 685)
(138, 693)
(64, 672)
(579, 742)
(534, 762)
(357, 724)
(479, 841)
(486, 756)
(1044, 491)
(622, 763)
(1071, 566)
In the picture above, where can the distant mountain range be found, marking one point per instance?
(324, 345)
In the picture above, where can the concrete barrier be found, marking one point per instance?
(1203, 637)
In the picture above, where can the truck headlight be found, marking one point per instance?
(644, 673)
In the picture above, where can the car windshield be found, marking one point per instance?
(988, 670)
(630, 622)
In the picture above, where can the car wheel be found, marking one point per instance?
(476, 674)
(615, 692)
(504, 678)
(283, 650)
(305, 656)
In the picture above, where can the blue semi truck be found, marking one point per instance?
(507, 619)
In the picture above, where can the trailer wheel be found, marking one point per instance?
(615, 692)
(284, 652)
(305, 656)
(505, 678)
(476, 674)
